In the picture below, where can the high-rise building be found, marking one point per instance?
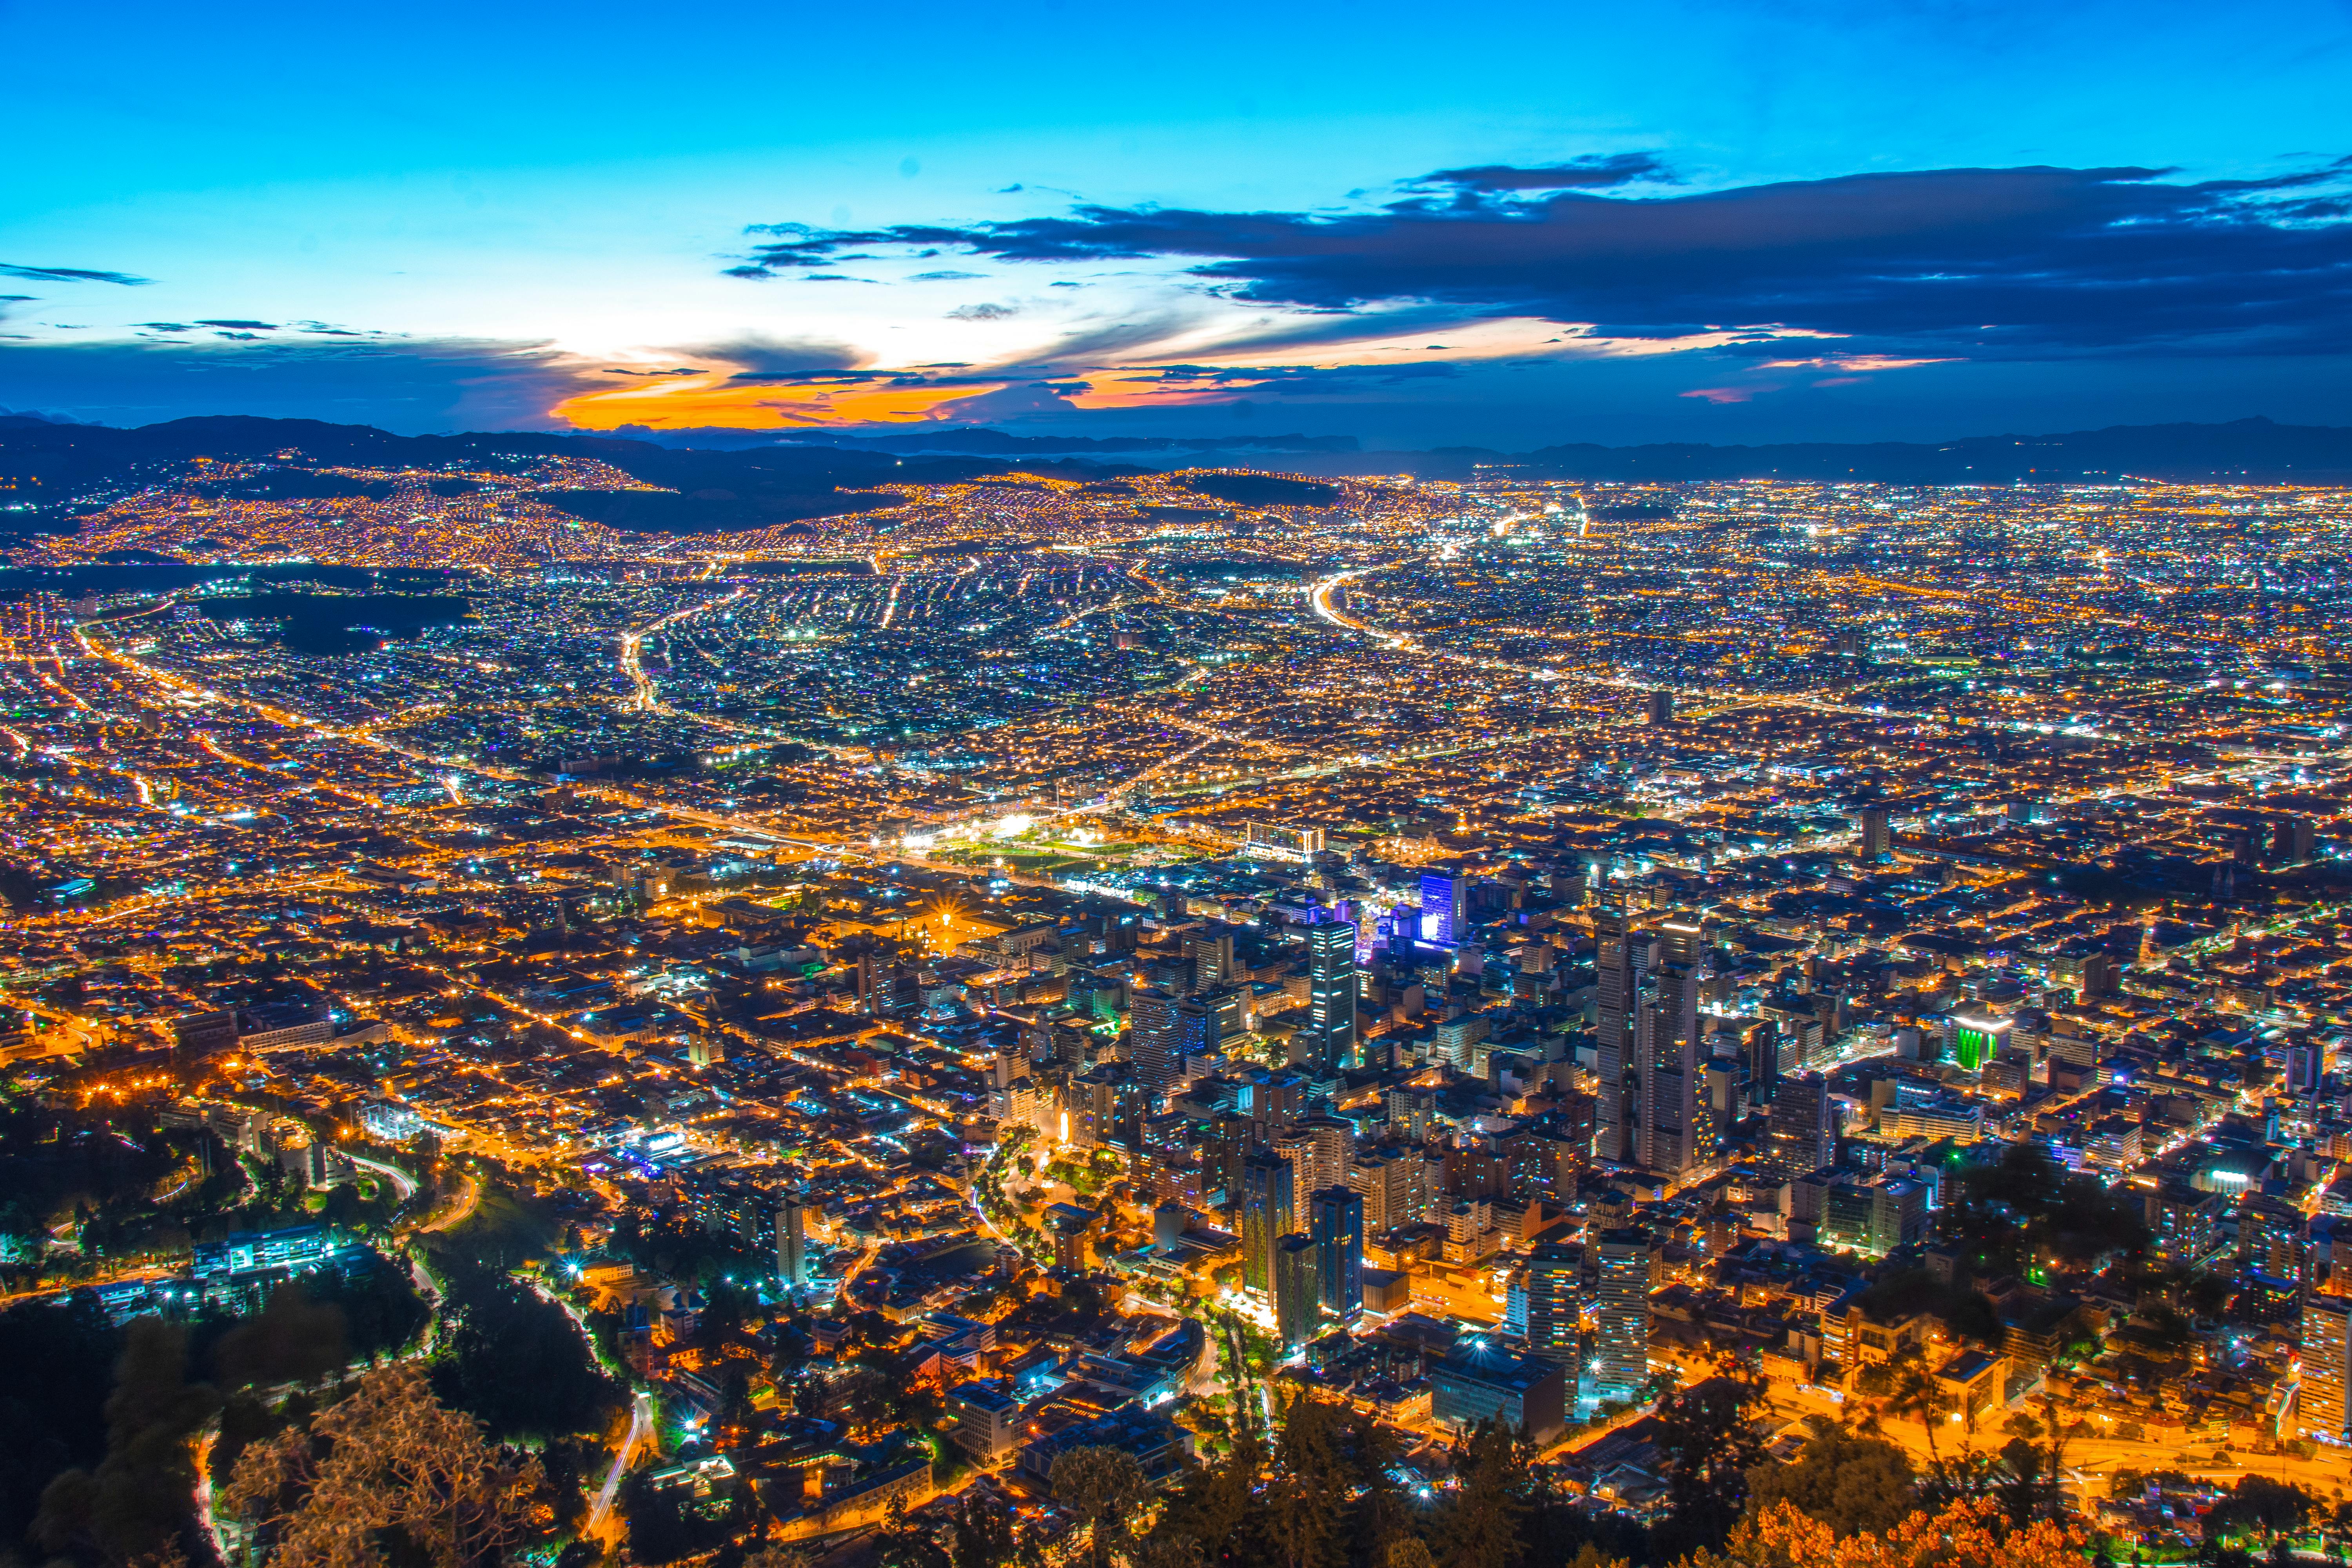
(1100, 1104)
(1327, 1043)
(1621, 1307)
(792, 1239)
(1229, 1139)
(1267, 1215)
(1675, 1132)
(1802, 1135)
(2184, 1224)
(1331, 1151)
(1297, 1298)
(2271, 1235)
(2324, 1406)
(1412, 1111)
(1336, 1221)
(1875, 1216)
(1877, 833)
(1154, 1039)
(1662, 707)
(1211, 956)
(1390, 1181)
(1617, 975)
(1205, 1021)
(1555, 1294)
(1444, 908)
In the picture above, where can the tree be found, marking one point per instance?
(1309, 1491)
(1713, 1439)
(1966, 1533)
(2257, 1503)
(981, 1534)
(778, 1557)
(1480, 1526)
(1852, 1483)
(1913, 1391)
(902, 1545)
(514, 1360)
(1379, 1516)
(140, 1499)
(659, 1531)
(1216, 1510)
(387, 1475)
(289, 1341)
(1102, 1485)
(61, 1357)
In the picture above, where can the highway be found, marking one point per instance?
(400, 1179)
(646, 697)
(641, 1417)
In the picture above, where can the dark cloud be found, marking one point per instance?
(1597, 172)
(983, 312)
(764, 357)
(240, 326)
(70, 275)
(2024, 262)
(412, 385)
(1298, 381)
(946, 277)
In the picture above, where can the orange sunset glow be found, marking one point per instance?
(691, 401)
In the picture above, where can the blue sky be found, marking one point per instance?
(1505, 226)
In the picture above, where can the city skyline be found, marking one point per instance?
(1563, 788)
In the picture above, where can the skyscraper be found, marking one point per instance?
(1621, 1345)
(1331, 1151)
(1153, 1039)
(1329, 1037)
(1229, 1138)
(1555, 1271)
(1390, 1181)
(1337, 1222)
(1444, 908)
(1203, 1021)
(2324, 1408)
(1297, 1301)
(1616, 1109)
(1877, 833)
(1802, 1138)
(1266, 1217)
(792, 1239)
(1675, 1130)
(1211, 954)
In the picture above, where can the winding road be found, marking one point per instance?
(641, 1420)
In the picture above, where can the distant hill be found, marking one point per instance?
(54, 465)
(2256, 451)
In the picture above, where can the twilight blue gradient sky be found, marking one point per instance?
(1496, 224)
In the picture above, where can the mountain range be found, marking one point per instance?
(48, 470)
